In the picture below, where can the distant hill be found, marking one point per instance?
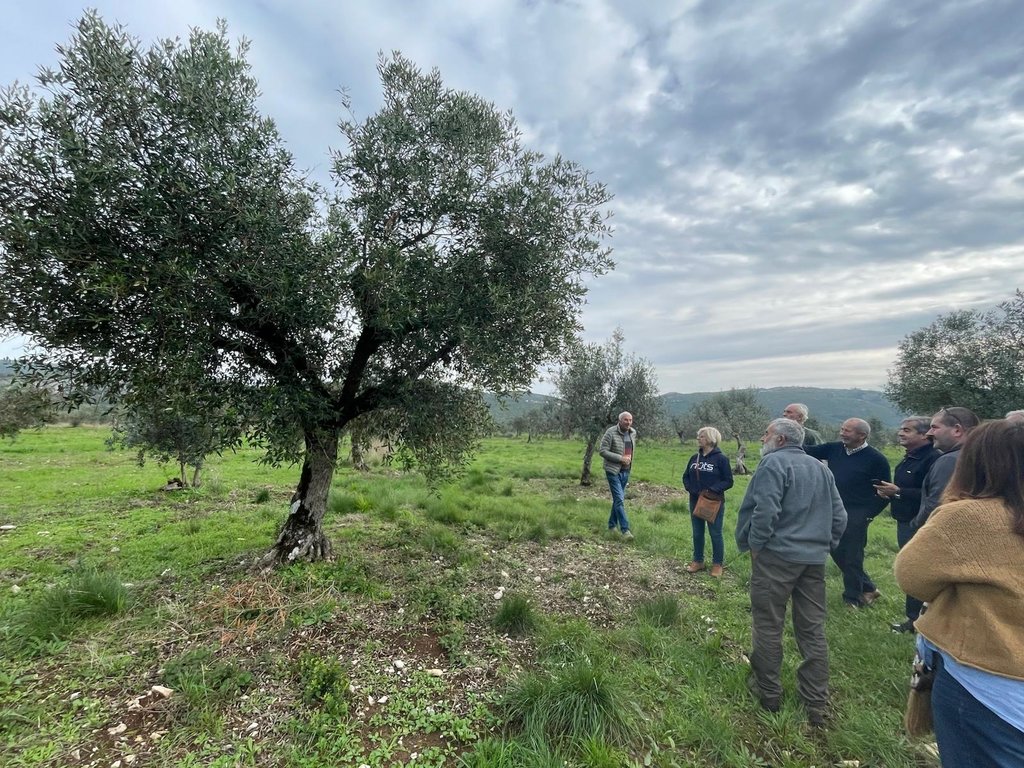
(513, 407)
(830, 406)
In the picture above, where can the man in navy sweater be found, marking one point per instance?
(856, 467)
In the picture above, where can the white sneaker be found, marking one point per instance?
(627, 534)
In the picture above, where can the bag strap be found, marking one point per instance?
(696, 471)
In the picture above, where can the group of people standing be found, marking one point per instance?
(957, 497)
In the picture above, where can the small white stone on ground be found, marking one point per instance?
(117, 729)
(435, 672)
(398, 664)
(161, 691)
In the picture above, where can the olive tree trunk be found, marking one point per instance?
(302, 537)
(358, 459)
(588, 455)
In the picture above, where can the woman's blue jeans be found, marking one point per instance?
(717, 543)
(970, 735)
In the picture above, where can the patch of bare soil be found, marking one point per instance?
(647, 494)
(383, 645)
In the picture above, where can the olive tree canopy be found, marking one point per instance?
(155, 234)
(966, 358)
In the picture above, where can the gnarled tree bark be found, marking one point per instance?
(302, 537)
(587, 457)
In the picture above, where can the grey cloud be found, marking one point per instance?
(860, 159)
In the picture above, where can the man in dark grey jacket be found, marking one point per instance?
(790, 518)
(949, 429)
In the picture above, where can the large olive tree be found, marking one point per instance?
(155, 234)
(966, 358)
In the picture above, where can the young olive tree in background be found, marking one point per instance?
(597, 383)
(881, 435)
(967, 358)
(169, 429)
(737, 414)
(155, 234)
(23, 407)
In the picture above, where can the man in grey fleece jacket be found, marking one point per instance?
(791, 516)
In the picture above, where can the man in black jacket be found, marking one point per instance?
(904, 494)
(855, 465)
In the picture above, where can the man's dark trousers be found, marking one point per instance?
(773, 581)
(904, 533)
(849, 556)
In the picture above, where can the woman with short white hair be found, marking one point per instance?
(707, 470)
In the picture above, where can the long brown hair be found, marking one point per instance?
(990, 466)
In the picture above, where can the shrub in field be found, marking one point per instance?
(169, 428)
(515, 616)
(204, 680)
(324, 684)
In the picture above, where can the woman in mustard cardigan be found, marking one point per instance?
(967, 562)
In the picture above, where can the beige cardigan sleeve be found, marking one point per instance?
(943, 552)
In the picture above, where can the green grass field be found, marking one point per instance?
(489, 622)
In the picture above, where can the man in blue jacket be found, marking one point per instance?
(791, 516)
(856, 467)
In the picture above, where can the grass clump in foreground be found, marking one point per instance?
(661, 611)
(570, 706)
(515, 616)
(53, 614)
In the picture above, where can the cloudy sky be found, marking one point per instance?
(797, 185)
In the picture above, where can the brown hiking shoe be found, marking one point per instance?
(716, 571)
(694, 566)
